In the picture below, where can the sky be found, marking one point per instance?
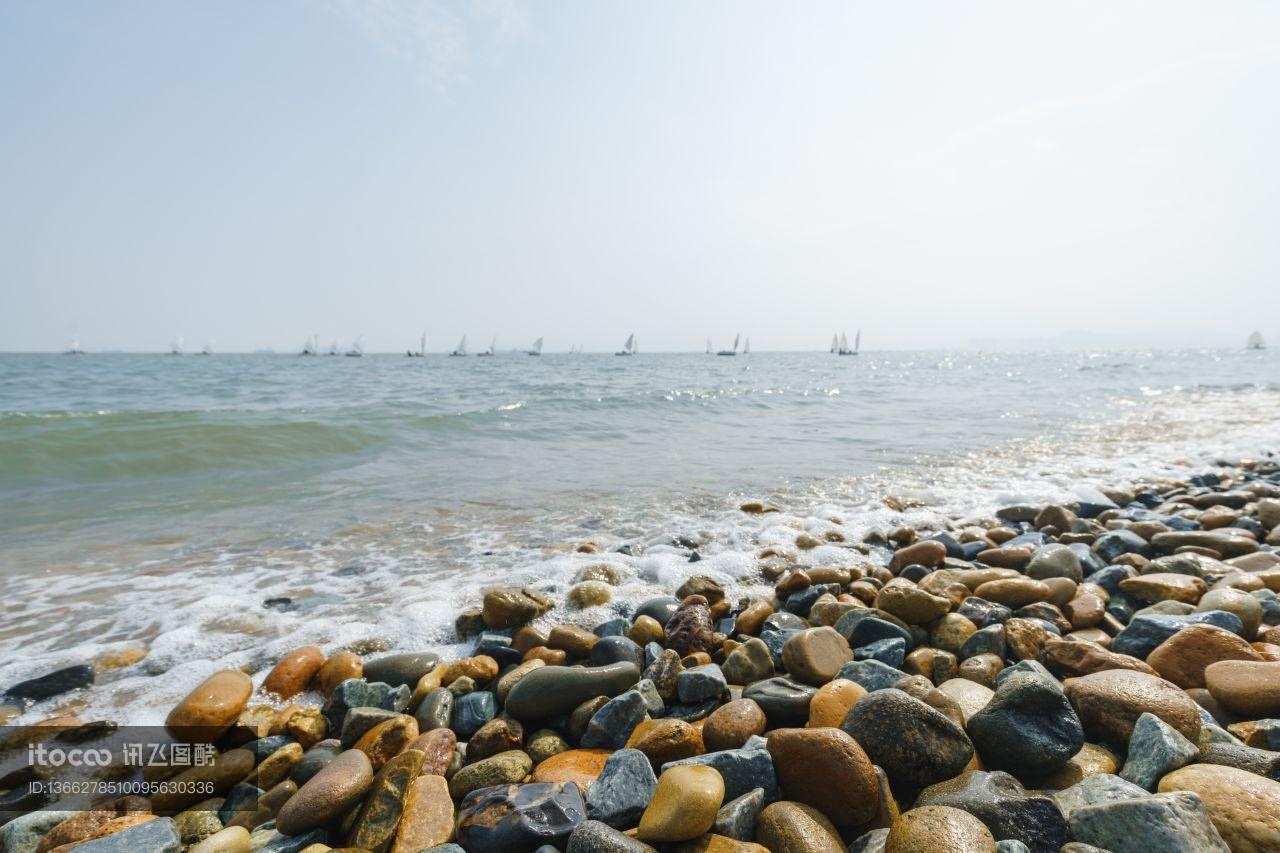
(936, 174)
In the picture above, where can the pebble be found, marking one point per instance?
(407, 669)
(580, 766)
(338, 668)
(376, 822)
(733, 724)
(519, 817)
(612, 725)
(938, 829)
(670, 739)
(1154, 750)
(1243, 605)
(927, 553)
(690, 628)
(1244, 807)
(294, 672)
(553, 690)
(1109, 704)
(684, 805)
(826, 769)
(742, 770)
(589, 593)
(911, 604)
(592, 836)
(1165, 586)
(1028, 728)
(737, 818)
(503, 768)
(831, 703)
(1177, 823)
(1248, 688)
(783, 701)
(211, 708)
(788, 827)
(1008, 811)
(427, 815)
(339, 786)
(623, 789)
(512, 606)
(970, 696)
(233, 839)
(748, 663)
(914, 743)
(155, 835)
(697, 683)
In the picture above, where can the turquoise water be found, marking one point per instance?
(159, 500)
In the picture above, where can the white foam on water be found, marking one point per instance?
(401, 584)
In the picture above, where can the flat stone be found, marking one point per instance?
(696, 683)
(1029, 728)
(784, 702)
(1248, 688)
(50, 685)
(159, 835)
(1165, 586)
(999, 801)
(831, 703)
(742, 770)
(233, 839)
(911, 604)
(1244, 807)
(427, 815)
(737, 818)
(684, 805)
(357, 693)
(1099, 788)
(512, 606)
(1072, 658)
(519, 817)
(914, 743)
(378, 818)
(505, 768)
(1226, 544)
(400, 669)
(580, 766)
(1263, 762)
(826, 769)
(339, 786)
(1109, 704)
(612, 725)
(872, 675)
(788, 827)
(623, 789)
(1176, 822)
(1154, 750)
(555, 690)
(938, 829)
(971, 696)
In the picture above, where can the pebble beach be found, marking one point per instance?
(1100, 674)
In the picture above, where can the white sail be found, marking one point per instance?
(208, 349)
(857, 340)
(1255, 341)
(735, 341)
(175, 348)
(537, 347)
(746, 347)
(422, 344)
(333, 347)
(461, 348)
(630, 345)
(74, 348)
(844, 342)
(710, 349)
(357, 348)
(835, 343)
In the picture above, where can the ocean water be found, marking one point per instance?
(159, 503)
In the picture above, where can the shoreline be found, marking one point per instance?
(1038, 641)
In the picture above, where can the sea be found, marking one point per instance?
(217, 511)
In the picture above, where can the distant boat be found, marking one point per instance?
(74, 348)
(629, 348)
(537, 347)
(422, 348)
(334, 349)
(175, 348)
(207, 349)
(1255, 341)
(835, 344)
(493, 348)
(461, 348)
(844, 344)
(357, 349)
(312, 346)
(733, 351)
(746, 347)
(710, 349)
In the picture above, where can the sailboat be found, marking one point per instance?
(312, 344)
(74, 348)
(835, 344)
(733, 351)
(357, 348)
(629, 348)
(333, 347)
(537, 347)
(207, 350)
(422, 348)
(844, 344)
(710, 349)
(493, 347)
(175, 348)
(461, 348)
(1255, 341)
(746, 347)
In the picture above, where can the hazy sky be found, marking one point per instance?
(935, 173)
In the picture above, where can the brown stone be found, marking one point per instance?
(513, 606)
(337, 669)
(790, 827)
(202, 781)
(939, 829)
(85, 825)
(911, 604)
(666, 740)
(1165, 586)
(580, 766)
(1248, 688)
(1076, 657)
(730, 725)
(211, 708)
(815, 655)
(928, 553)
(826, 769)
(684, 806)
(950, 632)
(1013, 592)
(689, 629)
(832, 702)
(428, 815)
(572, 640)
(1183, 657)
(752, 617)
(1091, 760)
(481, 669)
(1085, 611)
(551, 657)
(1005, 558)
(498, 735)
(385, 740)
(1244, 807)
(340, 785)
(376, 822)
(308, 726)
(437, 747)
(1026, 639)
(294, 672)
(1110, 702)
